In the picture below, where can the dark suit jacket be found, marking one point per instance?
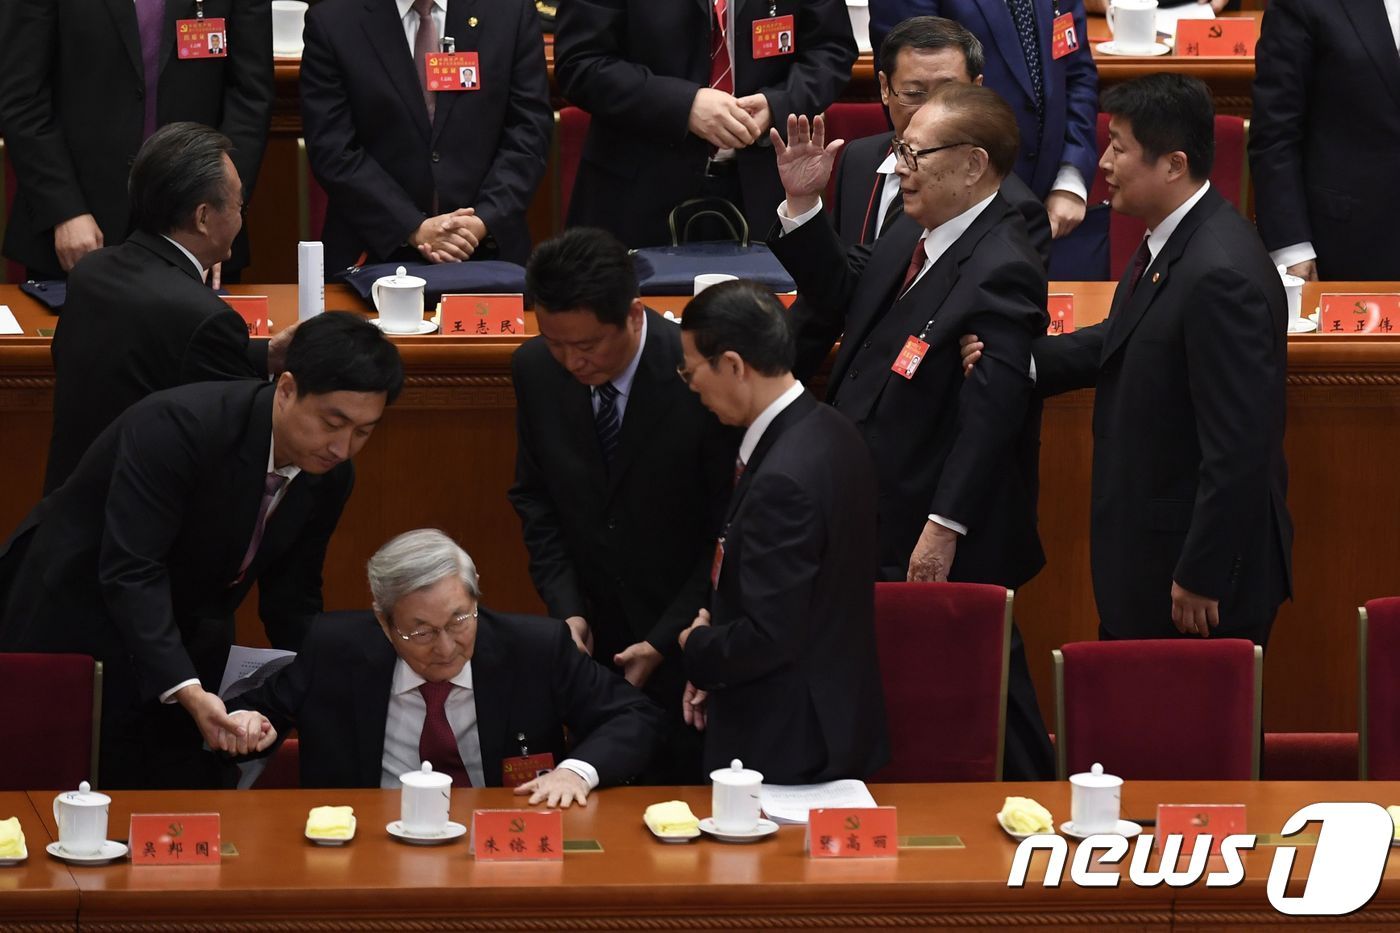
(138, 319)
(789, 658)
(1071, 83)
(370, 145)
(1189, 476)
(858, 186)
(527, 677)
(627, 548)
(1325, 133)
(72, 107)
(636, 65)
(133, 559)
(967, 450)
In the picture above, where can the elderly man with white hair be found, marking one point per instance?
(434, 676)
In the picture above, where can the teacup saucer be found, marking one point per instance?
(447, 834)
(1125, 828)
(1111, 48)
(110, 851)
(1019, 836)
(333, 840)
(1302, 326)
(16, 859)
(764, 828)
(424, 327)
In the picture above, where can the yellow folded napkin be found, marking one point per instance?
(330, 822)
(1394, 812)
(1024, 815)
(11, 838)
(672, 818)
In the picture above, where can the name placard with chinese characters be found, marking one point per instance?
(174, 839)
(517, 835)
(483, 315)
(1216, 820)
(1359, 314)
(852, 832)
(253, 309)
(1227, 37)
(1061, 308)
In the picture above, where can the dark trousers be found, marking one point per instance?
(1028, 755)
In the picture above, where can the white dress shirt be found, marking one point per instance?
(754, 432)
(409, 16)
(888, 192)
(188, 255)
(623, 383)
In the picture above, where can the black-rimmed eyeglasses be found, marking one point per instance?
(910, 156)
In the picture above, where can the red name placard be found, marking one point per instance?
(483, 315)
(518, 835)
(852, 832)
(174, 838)
(1359, 314)
(1228, 37)
(1190, 820)
(253, 309)
(1061, 308)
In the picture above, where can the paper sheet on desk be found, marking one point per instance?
(789, 803)
(9, 327)
(1169, 17)
(244, 662)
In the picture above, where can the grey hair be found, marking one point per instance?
(415, 560)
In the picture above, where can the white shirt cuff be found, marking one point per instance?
(1032, 373)
(1069, 179)
(1292, 255)
(791, 223)
(169, 695)
(583, 769)
(949, 524)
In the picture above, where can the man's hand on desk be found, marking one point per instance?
(559, 788)
(1306, 270)
(581, 633)
(933, 554)
(718, 118)
(693, 706)
(222, 732)
(1066, 211)
(971, 349)
(75, 238)
(804, 162)
(446, 237)
(756, 106)
(638, 662)
(260, 735)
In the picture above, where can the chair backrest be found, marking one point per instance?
(570, 131)
(1229, 176)
(53, 714)
(850, 121)
(283, 768)
(1378, 642)
(1160, 709)
(943, 660)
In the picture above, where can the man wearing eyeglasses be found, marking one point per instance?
(433, 676)
(919, 55)
(957, 465)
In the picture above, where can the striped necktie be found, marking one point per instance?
(607, 421)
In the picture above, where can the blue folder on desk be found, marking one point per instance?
(671, 270)
(481, 277)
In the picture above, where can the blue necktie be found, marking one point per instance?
(607, 421)
(1024, 15)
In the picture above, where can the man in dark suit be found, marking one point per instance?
(620, 475)
(189, 498)
(917, 56)
(1324, 137)
(1054, 96)
(782, 666)
(958, 463)
(681, 96)
(1189, 528)
(415, 174)
(139, 317)
(85, 83)
(508, 686)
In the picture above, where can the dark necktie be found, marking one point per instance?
(438, 744)
(738, 469)
(916, 263)
(424, 44)
(150, 23)
(1024, 14)
(892, 213)
(1141, 260)
(272, 484)
(606, 421)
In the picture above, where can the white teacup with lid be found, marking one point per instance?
(1293, 288)
(1133, 24)
(399, 300)
(81, 816)
(426, 797)
(735, 798)
(1094, 801)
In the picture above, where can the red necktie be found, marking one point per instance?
(272, 484)
(424, 44)
(738, 469)
(1141, 260)
(916, 263)
(437, 743)
(721, 71)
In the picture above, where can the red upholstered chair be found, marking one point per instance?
(1160, 709)
(1379, 643)
(850, 121)
(53, 714)
(571, 128)
(283, 769)
(943, 658)
(1309, 756)
(1229, 176)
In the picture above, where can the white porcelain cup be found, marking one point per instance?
(1094, 800)
(1293, 286)
(706, 279)
(1133, 24)
(399, 300)
(82, 820)
(425, 799)
(288, 19)
(735, 801)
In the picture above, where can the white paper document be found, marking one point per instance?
(244, 662)
(8, 325)
(789, 803)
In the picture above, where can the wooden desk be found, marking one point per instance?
(39, 894)
(444, 457)
(280, 881)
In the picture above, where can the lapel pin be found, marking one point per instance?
(472, 22)
(1156, 277)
